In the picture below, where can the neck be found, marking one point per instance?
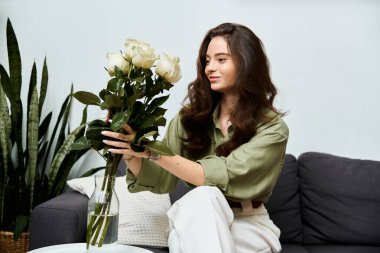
(227, 104)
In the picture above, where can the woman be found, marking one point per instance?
(229, 142)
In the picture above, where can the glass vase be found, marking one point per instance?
(103, 216)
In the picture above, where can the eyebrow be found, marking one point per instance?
(220, 54)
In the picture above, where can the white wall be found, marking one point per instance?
(325, 56)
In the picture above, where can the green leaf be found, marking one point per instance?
(118, 120)
(61, 154)
(33, 124)
(94, 130)
(148, 121)
(114, 84)
(97, 144)
(44, 126)
(141, 132)
(161, 121)
(14, 59)
(84, 115)
(6, 84)
(87, 98)
(16, 115)
(32, 86)
(113, 101)
(103, 93)
(104, 106)
(44, 85)
(52, 137)
(20, 226)
(64, 170)
(81, 143)
(5, 140)
(64, 124)
(156, 103)
(150, 134)
(160, 148)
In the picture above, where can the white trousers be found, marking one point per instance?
(203, 222)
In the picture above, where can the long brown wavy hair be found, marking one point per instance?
(253, 84)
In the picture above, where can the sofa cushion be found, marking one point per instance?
(340, 199)
(65, 215)
(341, 249)
(284, 203)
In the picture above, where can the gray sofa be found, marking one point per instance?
(321, 203)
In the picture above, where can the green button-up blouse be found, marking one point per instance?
(248, 172)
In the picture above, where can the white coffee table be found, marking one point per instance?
(81, 248)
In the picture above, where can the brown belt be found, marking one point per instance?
(233, 204)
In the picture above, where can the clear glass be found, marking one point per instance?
(103, 216)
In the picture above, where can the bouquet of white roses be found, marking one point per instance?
(133, 96)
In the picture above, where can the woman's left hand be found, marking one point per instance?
(123, 146)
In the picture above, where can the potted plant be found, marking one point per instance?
(33, 173)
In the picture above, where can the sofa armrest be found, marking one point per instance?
(59, 220)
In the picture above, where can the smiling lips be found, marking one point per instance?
(213, 79)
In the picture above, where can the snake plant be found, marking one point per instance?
(33, 164)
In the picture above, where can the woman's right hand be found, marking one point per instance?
(122, 143)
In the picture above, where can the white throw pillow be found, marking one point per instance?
(142, 215)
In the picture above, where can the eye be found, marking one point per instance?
(207, 61)
(221, 60)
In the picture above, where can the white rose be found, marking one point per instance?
(168, 68)
(130, 45)
(117, 59)
(141, 54)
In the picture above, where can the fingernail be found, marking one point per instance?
(103, 132)
(105, 141)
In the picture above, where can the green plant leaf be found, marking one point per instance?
(118, 120)
(44, 126)
(81, 143)
(14, 60)
(5, 146)
(160, 148)
(52, 137)
(6, 84)
(148, 121)
(113, 101)
(103, 93)
(20, 226)
(44, 85)
(63, 171)
(84, 115)
(32, 90)
(87, 98)
(156, 103)
(161, 121)
(61, 154)
(141, 132)
(64, 124)
(93, 132)
(114, 84)
(32, 134)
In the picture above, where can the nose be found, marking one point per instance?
(210, 67)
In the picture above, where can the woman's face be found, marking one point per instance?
(220, 67)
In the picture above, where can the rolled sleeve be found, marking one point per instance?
(215, 171)
(148, 178)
